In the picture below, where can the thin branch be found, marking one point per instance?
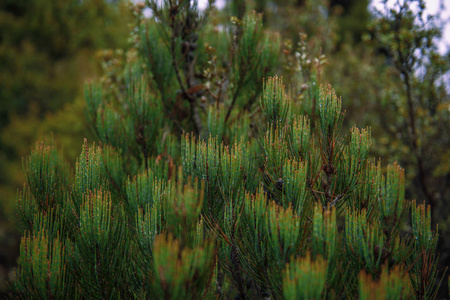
(404, 68)
(192, 100)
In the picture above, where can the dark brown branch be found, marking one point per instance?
(233, 51)
(404, 69)
(191, 98)
(415, 144)
(233, 102)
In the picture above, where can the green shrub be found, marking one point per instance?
(259, 201)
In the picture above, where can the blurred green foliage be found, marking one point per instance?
(47, 50)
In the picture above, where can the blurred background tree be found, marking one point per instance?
(417, 105)
(47, 50)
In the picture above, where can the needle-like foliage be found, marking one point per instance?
(196, 190)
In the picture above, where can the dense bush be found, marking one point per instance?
(210, 181)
